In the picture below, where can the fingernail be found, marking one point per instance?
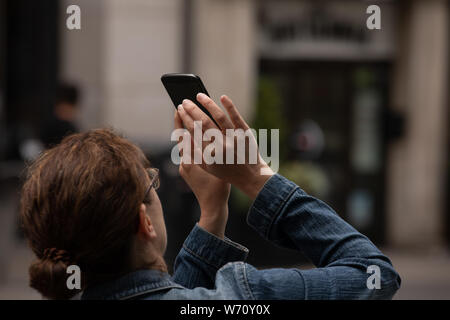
(187, 105)
(201, 96)
(180, 107)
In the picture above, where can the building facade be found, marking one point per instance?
(377, 98)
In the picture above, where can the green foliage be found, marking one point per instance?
(268, 111)
(269, 115)
(363, 78)
(309, 176)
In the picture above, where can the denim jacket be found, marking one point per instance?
(210, 268)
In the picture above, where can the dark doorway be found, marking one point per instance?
(31, 68)
(344, 103)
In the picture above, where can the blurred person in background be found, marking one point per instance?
(62, 121)
(91, 202)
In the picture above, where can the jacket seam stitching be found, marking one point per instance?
(247, 285)
(299, 271)
(277, 213)
(200, 257)
(137, 294)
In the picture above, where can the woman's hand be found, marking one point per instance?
(211, 192)
(249, 177)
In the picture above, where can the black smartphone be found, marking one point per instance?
(182, 86)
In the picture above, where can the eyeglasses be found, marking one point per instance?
(153, 174)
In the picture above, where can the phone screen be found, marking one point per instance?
(185, 86)
(179, 91)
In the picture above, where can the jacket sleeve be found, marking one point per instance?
(349, 265)
(202, 255)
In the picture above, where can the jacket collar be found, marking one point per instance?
(131, 286)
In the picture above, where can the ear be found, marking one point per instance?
(146, 229)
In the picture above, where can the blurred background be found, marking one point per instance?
(363, 114)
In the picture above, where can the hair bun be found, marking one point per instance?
(49, 275)
(56, 255)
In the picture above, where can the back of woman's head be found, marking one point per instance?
(80, 206)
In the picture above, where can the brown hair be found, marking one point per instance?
(80, 205)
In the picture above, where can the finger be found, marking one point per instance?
(217, 113)
(198, 154)
(188, 122)
(233, 113)
(192, 142)
(195, 153)
(185, 166)
(198, 115)
(184, 170)
(187, 146)
(201, 121)
(182, 144)
(178, 124)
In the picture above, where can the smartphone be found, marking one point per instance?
(182, 86)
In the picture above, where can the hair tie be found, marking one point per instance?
(56, 255)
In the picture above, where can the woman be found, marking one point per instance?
(91, 201)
